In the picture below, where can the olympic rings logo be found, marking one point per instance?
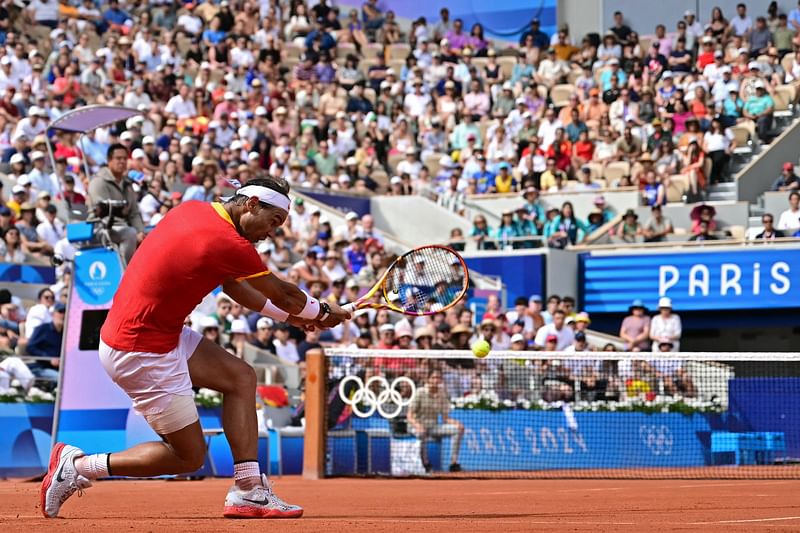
(364, 395)
(657, 438)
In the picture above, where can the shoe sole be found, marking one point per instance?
(242, 511)
(55, 456)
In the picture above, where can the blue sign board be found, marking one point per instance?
(700, 281)
(97, 275)
(523, 275)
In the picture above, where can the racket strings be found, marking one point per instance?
(426, 280)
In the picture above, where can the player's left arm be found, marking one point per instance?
(254, 292)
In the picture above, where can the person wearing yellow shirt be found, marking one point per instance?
(504, 182)
(19, 195)
(548, 178)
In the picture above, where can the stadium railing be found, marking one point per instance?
(554, 415)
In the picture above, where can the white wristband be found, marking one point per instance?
(273, 311)
(311, 310)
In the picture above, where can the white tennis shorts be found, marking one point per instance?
(158, 383)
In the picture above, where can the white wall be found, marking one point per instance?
(415, 220)
(582, 16)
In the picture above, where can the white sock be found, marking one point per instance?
(247, 474)
(93, 466)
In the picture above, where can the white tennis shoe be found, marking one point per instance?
(62, 480)
(259, 502)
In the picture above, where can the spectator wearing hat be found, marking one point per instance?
(665, 326)
(209, 327)
(629, 229)
(635, 328)
(239, 334)
(788, 180)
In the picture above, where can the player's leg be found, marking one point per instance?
(213, 367)
(160, 388)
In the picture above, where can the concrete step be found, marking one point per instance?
(722, 196)
(728, 186)
(756, 210)
(754, 221)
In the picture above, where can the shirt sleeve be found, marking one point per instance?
(247, 263)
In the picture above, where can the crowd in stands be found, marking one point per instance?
(554, 325)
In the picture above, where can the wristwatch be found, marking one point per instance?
(324, 311)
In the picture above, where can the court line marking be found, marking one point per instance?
(748, 520)
(757, 484)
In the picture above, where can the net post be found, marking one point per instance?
(314, 441)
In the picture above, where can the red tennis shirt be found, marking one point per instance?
(193, 250)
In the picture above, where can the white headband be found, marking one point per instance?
(266, 195)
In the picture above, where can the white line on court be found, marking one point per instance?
(748, 520)
(735, 484)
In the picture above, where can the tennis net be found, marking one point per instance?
(585, 415)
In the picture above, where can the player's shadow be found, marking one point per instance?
(443, 516)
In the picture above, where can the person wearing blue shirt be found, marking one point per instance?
(606, 75)
(356, 255)
(484, 176)
(731, 108)
(759, 108)
(507, 230)
(115, 15)
(540, 38)
(794, 18)
(45, 341)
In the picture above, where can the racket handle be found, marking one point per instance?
(350, 308)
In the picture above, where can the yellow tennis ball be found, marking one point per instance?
(481, 349)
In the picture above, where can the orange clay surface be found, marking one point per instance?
(398, 506)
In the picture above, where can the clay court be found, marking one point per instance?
(425, 505)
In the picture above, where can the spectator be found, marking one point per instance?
(789, 220)
(759, 108)
(769, 233)
(665, 327)
(565, 228)
(657, 226)
(704, 232)
(629, 229)
(788, 180)
(45, 341)
(285, 347)
(635, 328)
(564, 335)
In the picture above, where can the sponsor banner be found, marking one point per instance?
(719, 280)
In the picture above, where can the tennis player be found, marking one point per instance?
(148, 352)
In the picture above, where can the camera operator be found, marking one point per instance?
(107, 190)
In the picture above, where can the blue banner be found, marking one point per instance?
(341, 202)
(700, 281)
(15, 273)
(504, 20)
(523, 275)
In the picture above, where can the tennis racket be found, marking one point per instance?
(425, 281)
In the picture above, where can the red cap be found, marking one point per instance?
(788, 166)
(551, 338)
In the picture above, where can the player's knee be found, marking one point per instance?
(246, 379)
(195, 458)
